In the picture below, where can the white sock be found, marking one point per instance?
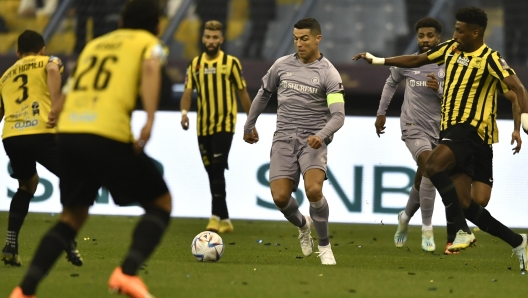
(405, 218)
(427, 228)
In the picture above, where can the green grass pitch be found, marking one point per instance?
(368, 264)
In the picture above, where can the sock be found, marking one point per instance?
(427, 199)
(447, 191)
(50, 248)
(18, 211)
(146, 237)
(450, 226)
(292, 214)
(413, 203)
(319, 212)
(218, 191)
(487, 223)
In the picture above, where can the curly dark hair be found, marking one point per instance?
(428, 22)
(30, 42)
(309, 23)
(473, 16)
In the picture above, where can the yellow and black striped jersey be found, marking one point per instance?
(25, 96)
(215, 82)
(471, 81)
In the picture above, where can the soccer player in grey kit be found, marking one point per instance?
(311, 108)
(420, 126)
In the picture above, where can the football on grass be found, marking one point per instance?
(207, 247)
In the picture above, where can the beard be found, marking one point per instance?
(212, 52)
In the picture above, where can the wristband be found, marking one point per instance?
(375, 60)
(184, 112)
(524, 121)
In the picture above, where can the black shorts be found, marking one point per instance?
(483, 164)
(215, 148)
(89, 162)
(25, 151)
(464, 141)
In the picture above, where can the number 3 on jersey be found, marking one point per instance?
(102, 77)
(23, 87)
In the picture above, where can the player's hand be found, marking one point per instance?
(362, 56)
(144, 137)
(52, 119)
(516, 138)
(432, 83)
(185, 122)
(380, 124)
(252, 137)
(315, 142)
(255, 134)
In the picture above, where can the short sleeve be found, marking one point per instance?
(438, 53)
(498, 67)
(188, 83)
(334, 83)
(56, 60)
(236, 75)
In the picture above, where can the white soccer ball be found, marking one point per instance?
(207, 247)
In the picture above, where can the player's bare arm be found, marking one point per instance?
(245, 101)
(516, 112)
(150, 91)
(54, 88)
(185, 105)
(514, 84)
(407, 61)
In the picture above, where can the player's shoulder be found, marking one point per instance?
(326, 65)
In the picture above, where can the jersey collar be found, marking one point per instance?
(220, 55)
(477, 52)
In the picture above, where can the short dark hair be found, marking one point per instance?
(30, 42)
(141, 14)
(472, 15)
(309, 23)
(428, 22)
(213, 25)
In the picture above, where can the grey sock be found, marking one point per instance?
(292, 213)
(319, 212)
(413, 203)
(427, 199)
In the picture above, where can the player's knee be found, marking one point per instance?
(482, 200)
(432, 167)
(30, 185)
(465, 202)
(280, 197)
(314, 192)
(163, 202)
(75, 217)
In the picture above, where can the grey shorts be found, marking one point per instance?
(292, 156)
(418, 141)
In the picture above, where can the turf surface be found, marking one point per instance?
(368, 264)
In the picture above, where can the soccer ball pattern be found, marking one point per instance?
(207, 247)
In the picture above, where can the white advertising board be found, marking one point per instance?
(369, 177)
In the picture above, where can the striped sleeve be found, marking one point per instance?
(237, 77)
(438, 53)
(188, 83)
(498, 67)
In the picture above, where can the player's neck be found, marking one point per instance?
(313, 58)
(27, 54)
(475, 47)
(213, 57)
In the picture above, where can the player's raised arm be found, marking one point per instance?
(406, 61)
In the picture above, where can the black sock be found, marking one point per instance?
(218, 191)
(146, 237)
(450, 225)
(50, 248)
(447, 191)
(18, 211)
(487, 223)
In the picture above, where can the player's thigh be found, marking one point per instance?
(284, 162)
(205, 144)
(47, 154)
(221, 145)
(21, 153)
(129, 177)
(483, 175)
(463, 140)
(311, 158)
(79, 181)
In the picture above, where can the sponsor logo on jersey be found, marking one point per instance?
(463, 61)
(298, 87)
(21, 125)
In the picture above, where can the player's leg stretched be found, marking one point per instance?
(147, 235)
(319, 212)
(51, 246)
(18, 211)
(281, 190)
(427, 199)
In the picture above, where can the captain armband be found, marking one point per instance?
(334, 98)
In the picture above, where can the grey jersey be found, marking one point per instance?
(421, 105)
(302, 91)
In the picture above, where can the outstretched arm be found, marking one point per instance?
(406, 61)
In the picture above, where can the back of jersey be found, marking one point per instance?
(25, 96)
(104, 87)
